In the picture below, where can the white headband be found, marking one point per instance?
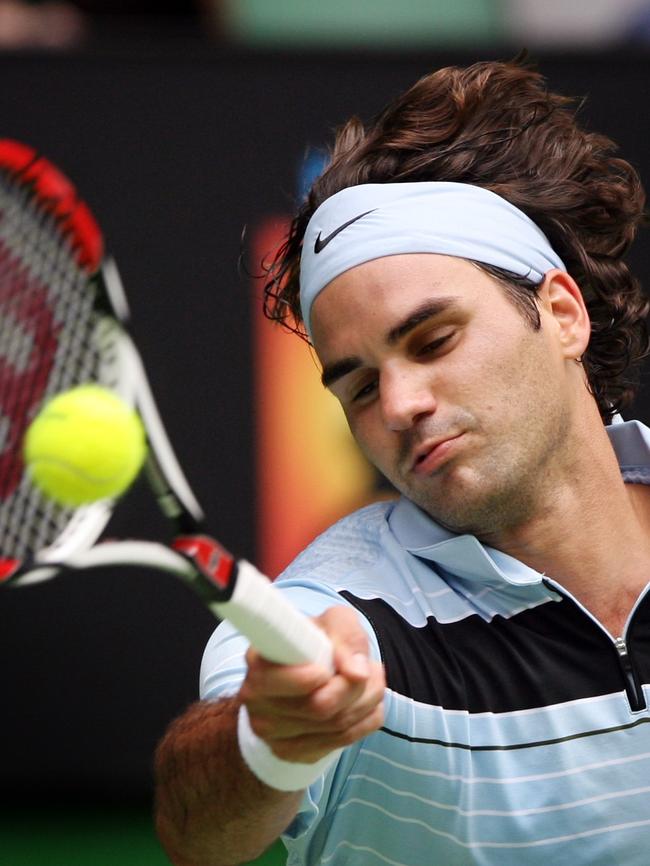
(372, 220)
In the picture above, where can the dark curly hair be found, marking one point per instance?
(496, 125)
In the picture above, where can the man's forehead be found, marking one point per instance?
(396, 285)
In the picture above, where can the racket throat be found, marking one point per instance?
(216, 567)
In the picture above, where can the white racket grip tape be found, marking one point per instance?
(273, 771)
(277, 630)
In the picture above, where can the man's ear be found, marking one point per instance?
(561, 297)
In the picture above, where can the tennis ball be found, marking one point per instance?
(85, 444)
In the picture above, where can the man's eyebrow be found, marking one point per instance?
(332, 372)
(427, 310)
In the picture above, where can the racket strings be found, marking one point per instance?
(47, 322)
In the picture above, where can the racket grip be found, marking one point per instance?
(277, 630)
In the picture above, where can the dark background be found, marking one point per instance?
(176, 146)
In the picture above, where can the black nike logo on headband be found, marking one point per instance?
(319, 245)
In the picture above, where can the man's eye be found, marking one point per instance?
(433, 346)
(364, 392)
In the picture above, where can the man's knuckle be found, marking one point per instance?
(323, 707)
(350, 735)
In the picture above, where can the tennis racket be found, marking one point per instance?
(63, 322)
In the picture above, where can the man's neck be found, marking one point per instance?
(592, 535)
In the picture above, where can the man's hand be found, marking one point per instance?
(304, 712)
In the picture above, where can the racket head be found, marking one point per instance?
(63, 314)
(56, 332)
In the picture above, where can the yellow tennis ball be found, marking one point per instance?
(85, 444)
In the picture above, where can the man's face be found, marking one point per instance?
(446, 387)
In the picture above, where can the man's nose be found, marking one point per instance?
(406, 395)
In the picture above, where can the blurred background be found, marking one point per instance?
(184, 124)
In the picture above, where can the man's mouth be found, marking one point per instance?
(431, 455)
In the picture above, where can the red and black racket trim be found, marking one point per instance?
(8, 569)
(57, 195)
(216, 566)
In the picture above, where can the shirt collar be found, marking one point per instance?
(466, 557)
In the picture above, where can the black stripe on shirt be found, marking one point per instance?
(549, 654)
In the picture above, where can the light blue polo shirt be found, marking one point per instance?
(516, 727)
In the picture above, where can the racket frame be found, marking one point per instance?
(233, 589)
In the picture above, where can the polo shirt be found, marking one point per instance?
(516, 726)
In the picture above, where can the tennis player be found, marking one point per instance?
(459, 268)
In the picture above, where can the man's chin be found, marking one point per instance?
(462, 511)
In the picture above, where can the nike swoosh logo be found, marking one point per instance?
(320, 244)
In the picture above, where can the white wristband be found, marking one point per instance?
(274, 772)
